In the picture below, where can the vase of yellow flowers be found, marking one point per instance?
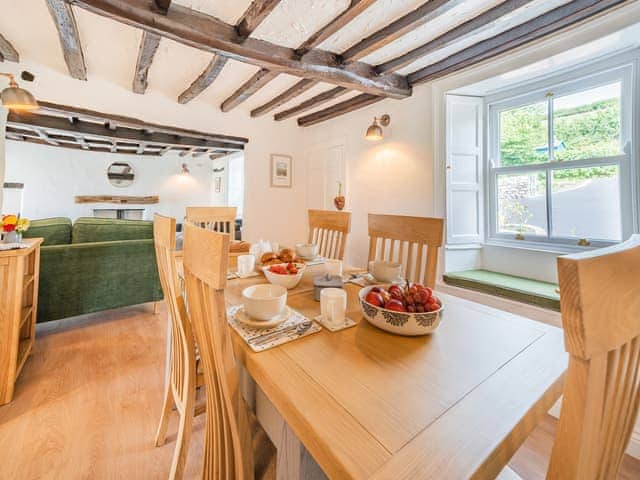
(13, 227)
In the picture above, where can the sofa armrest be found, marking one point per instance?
(89, 277)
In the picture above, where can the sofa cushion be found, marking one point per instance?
(55, 231)
(89, 230)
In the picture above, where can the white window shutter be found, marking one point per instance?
(464, 169)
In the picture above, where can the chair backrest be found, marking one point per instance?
(227, 451)
(218, 219)
(600, 301)
(412, 241)
(329, 230)
(183, 357)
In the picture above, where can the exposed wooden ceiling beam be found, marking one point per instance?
(255, 15)
(69, 37)
(207, 33)
(299, 88)
(405, 24)
(257, 11)
(206, 78)
(251, 86)
(414, 19)
(550, 22)
(119, 121)
(85, 128)
(43, 135)
(338, 109)
(311, 103)
(147, 51)
(355, 8)
(7, 52)
(148, 47)
(186, 153)
(473, 26)
(162, 5)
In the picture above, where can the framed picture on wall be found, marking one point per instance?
(281, 170)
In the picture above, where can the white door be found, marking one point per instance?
(464, 170)
(325, 169)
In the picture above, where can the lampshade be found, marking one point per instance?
(374, 132)
(16, 98)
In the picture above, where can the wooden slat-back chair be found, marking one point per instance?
(235, 446)
(412, 241)
(218, 219)
(600, 302)
(183, 368)
(329, 230)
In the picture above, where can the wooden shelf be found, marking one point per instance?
(19, 271)
(24, 349)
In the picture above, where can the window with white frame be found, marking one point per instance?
(559, 167)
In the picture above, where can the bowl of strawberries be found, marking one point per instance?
(409, 309)
(287, 275)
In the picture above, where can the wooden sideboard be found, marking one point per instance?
(19, 275)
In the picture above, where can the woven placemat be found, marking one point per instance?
(249, 333)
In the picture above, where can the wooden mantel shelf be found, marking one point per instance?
(118, 199)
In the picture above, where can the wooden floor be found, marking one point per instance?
(89, 398)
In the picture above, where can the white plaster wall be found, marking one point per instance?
(394, 176)
(268, 213)
(54, 176)
(3, 118)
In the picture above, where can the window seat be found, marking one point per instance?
(520, 289)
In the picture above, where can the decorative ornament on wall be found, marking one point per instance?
(339, 201)
(281, 170)
(121, 174)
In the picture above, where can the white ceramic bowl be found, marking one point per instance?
(287, 281)
(410, 324)
(265, 301)
(307, 250)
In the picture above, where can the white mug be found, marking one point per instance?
(385, 271)
(333, 305)
(246, 264)
(333, 267)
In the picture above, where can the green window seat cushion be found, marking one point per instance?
(89, 230)
(520, 289)
(55, 231)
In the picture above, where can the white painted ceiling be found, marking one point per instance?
(600, 49)
(111, 48)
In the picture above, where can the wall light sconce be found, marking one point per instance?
(374, 132)
(185, 169)
(16, 98)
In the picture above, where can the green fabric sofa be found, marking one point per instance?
(93, 265)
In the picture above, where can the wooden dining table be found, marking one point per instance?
(369, 404)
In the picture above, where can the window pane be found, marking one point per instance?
(522, 203)
(586, 203)
(523, 135)
(587, 124)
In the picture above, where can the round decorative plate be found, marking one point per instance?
(242, 317)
